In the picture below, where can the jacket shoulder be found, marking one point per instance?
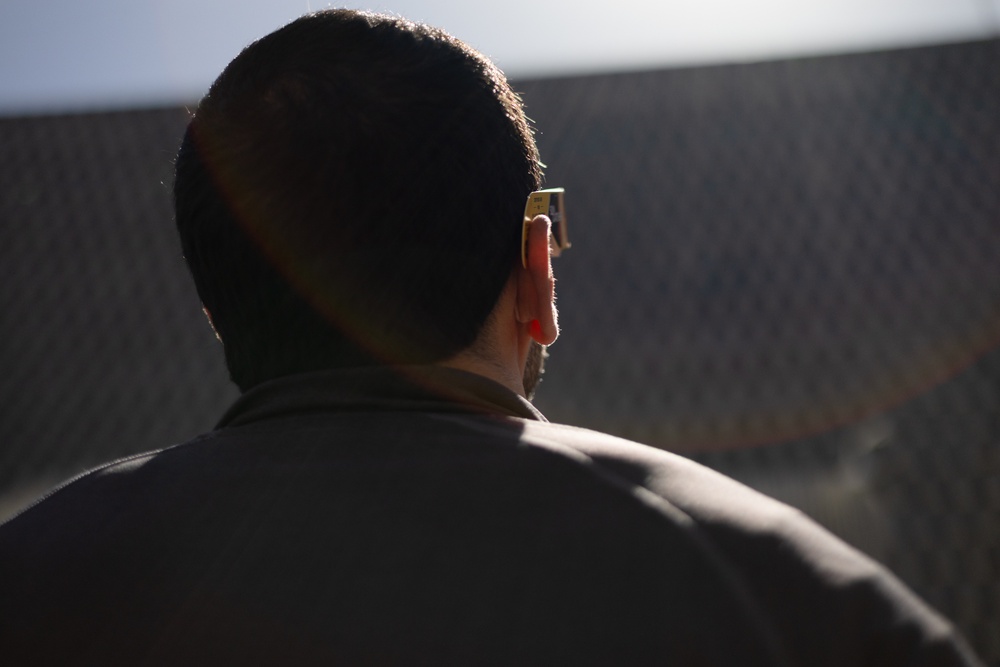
(830, 602)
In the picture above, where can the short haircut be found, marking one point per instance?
(349, 192)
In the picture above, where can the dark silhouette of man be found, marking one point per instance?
(350, 198)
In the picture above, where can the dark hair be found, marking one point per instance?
(349, 192)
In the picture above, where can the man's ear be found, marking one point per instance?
(536, 288)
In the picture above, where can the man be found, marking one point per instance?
(350, 198)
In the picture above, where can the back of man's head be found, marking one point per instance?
(350, 191)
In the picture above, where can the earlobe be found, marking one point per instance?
(535, 328)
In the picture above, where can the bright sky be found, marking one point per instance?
(72, 54)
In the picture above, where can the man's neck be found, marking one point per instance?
(473, 363)
(501, 349)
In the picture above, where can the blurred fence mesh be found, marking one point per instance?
(789, 271)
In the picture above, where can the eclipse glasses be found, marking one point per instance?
(546, 202)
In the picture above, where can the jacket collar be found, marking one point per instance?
(395, 388)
